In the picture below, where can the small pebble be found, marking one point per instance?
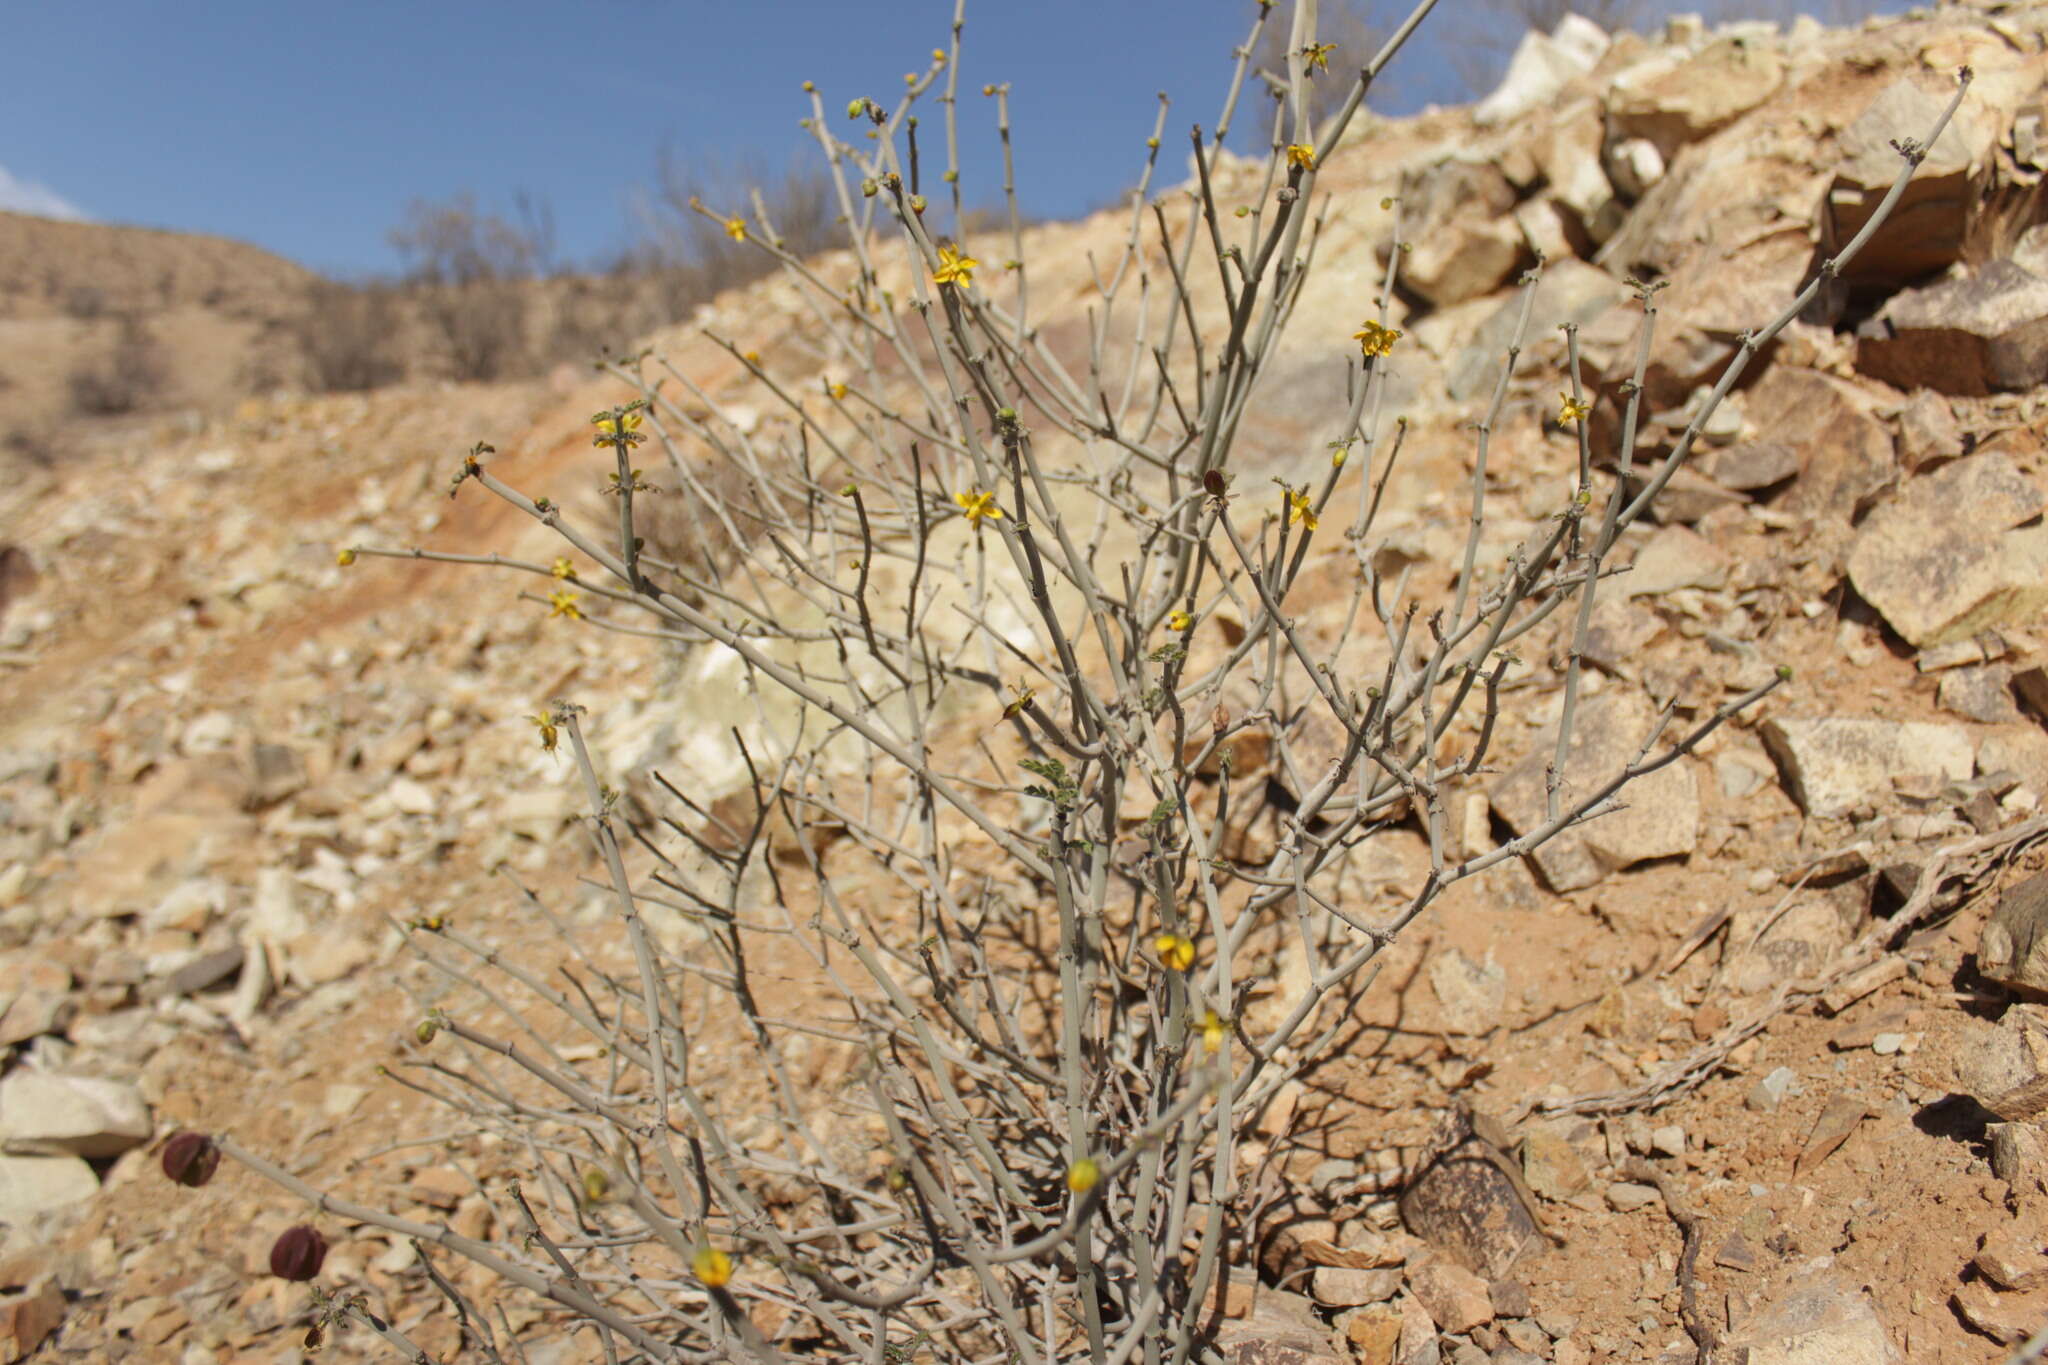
(1885, 1044)
(1627, 1196)
(1767, 1094)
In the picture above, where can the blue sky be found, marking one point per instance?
(308, 128)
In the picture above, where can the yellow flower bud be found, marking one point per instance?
(345, 558)
(712, 1266)
(596, 1184)
(1082, 1175)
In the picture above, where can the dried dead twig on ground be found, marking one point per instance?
(1692, 1227)
(1939, 887)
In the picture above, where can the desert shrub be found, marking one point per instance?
(468, 272)
(347, 336)
(133, 375)
(933, 1027)
(85, 302)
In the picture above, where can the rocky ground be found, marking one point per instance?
(1782, 1001)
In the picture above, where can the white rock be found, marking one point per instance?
(1823, 1323)
(1471, 993)
(1634, 164)
(30, 1185)
(1542, 65)
(1676, 557)
(49, 1115)
(410, 797)
(208, 733)
(275, 913)
(1833, 764)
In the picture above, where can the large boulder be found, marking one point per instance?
(1969, 335)
(1941, 560)
(1684, 101)
(1822, 1322)
(1832, 764)
(1846, 456)
(1543, 64)
(1464, 242)
(1925, 232)
(1569, 154)
(1568, 291)
(1659, 815)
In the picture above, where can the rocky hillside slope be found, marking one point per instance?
(226, 762)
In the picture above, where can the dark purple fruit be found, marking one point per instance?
(297, 1253)
(190, 1158)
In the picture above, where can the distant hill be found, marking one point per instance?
(100, 324)
(52, 269)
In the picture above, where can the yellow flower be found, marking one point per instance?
(596, 1184)
(1301, 156)
(712, 1266)
(345, 558)
(563, 603)
(736, 228)
(1177, 951)
(954, 268)
(752, 358)
(1179, 620)
(1572, 410)
(838, 391)
(546, 724)
(1082, 1175)
(562, 568)
(1318, 55)
(612, 431)
(1374, 339)
(1300, 510)
(976, 505)
(1214, 1032)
